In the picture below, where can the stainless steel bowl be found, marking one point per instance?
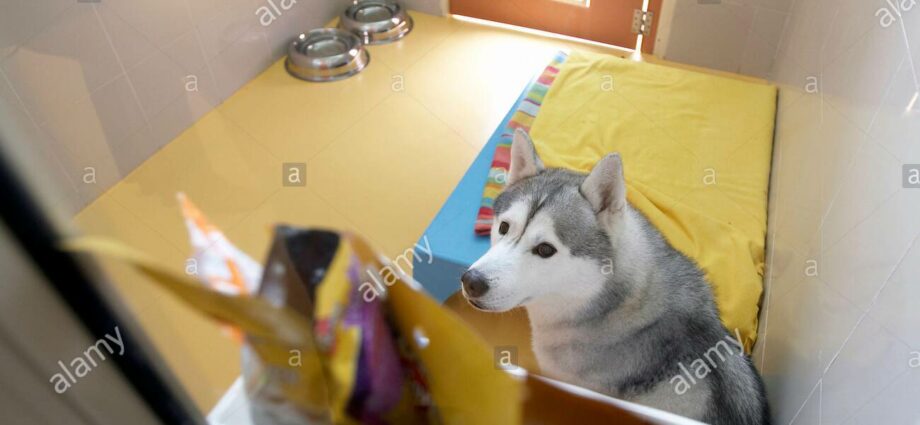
(376, 21)
(326, 54)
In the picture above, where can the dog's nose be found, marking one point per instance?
(474, 283)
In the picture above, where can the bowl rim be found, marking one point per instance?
(377, 32)
(325, 68)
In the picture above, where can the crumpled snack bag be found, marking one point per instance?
(333, 332)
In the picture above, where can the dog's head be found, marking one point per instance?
(551, 233)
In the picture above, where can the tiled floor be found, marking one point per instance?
(383, 150)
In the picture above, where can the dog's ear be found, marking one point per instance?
(524, 160)
(605, 187)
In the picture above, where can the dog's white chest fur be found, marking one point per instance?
(586, 359)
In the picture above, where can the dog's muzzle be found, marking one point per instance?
(474, 283)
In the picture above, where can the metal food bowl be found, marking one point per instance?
(376, 21)
(326, 54)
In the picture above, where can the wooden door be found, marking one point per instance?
(606, 21)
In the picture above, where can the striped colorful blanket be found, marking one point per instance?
(523, 118)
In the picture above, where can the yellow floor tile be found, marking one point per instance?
(294, 119)
(390, 173)
(472, 79)
(295, 206)
(222, 170)
(427, 33)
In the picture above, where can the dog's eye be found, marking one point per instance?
(503, 228)
(544, 250)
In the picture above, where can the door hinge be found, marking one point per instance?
(642, 22)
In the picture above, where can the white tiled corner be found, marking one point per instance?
(806, 328)
(711, 35)
(800, 50)
(763, 42)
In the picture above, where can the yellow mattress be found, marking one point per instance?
(696, 150)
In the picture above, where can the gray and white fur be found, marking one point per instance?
(613, 306)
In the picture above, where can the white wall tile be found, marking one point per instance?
(129, 44)
(853, 143)
(63, 64)
(888, 407)
(910, 24)
(710, 35)
(896, 128)
(896, 404)
(851, 21)
(240, 62)
(21, 20)
(810, 413)
(896, 307)
(87, 133)
(161, 79)
(870, 361)
(229, 24)
(161, 21)
(857, 80)
(774, 5)
(807, 326)
(763, 42)
(862, 261)
(874, 176)
(16, 126)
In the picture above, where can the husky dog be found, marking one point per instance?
(613, 307)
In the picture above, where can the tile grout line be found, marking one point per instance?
(865, 312)
(901, 375)
(808, 397)
(121, 65)
(910, 54)
(867, 138)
